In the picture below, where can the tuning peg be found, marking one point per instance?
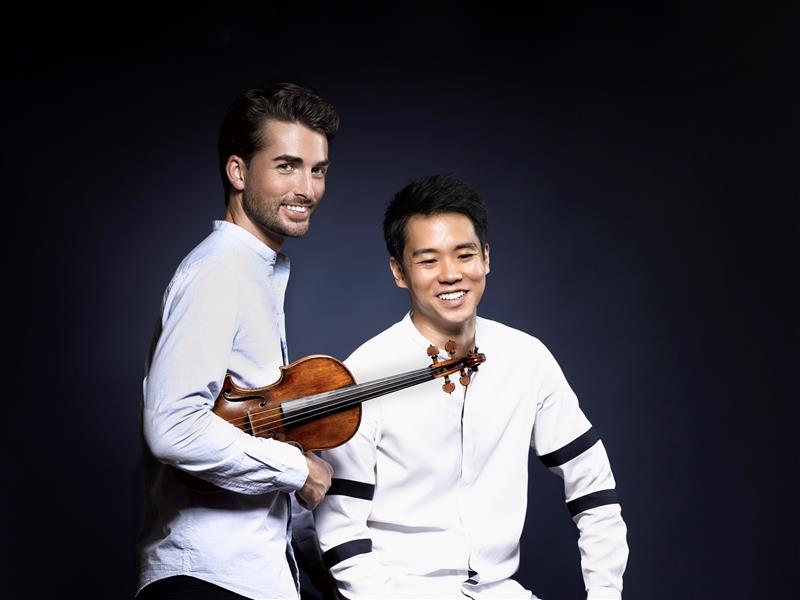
(450, 346)
(464, 379)
(448, 386)
(433, 352)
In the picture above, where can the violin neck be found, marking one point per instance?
(358, 393)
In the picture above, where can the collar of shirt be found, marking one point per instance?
(248, 239)
(421, 341)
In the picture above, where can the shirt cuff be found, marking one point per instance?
(603, 593)
(287, 466)
(295, 469)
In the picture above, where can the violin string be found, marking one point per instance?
(334, 396)
(318, 410)
(321, 409)
(324, 397)
(303, 414)
(328, 408)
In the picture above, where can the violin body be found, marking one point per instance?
(305, 377)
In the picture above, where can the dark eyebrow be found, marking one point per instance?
(288, 158)
(465, 245)
(470, 245)
(296, 160)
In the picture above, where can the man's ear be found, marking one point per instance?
(486, 257)
(397, 273)
(236, 171)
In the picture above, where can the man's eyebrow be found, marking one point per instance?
(288, 158)
(296, 160)
(422, 251)
(470, 245)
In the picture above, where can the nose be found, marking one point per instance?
(450, 271)
(304, 186)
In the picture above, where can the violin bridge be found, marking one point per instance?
(250, 426)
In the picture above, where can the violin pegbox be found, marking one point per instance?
(450, 347)
(451, 350)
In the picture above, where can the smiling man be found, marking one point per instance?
(223, 313)
(430, 495)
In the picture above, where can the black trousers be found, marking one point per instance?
(183, 587)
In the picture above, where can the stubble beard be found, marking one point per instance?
(265, 213)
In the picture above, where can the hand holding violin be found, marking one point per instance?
(317, 482)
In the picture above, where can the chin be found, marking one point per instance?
(295, 232)
(455, 322)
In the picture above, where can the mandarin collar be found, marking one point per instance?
(249, 240)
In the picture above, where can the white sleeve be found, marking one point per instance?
(566, 443)
(188, 366)
(341, 518)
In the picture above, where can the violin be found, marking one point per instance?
(316, 405)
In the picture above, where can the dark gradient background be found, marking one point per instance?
(640, 169)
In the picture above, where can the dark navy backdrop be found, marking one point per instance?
(642, 225)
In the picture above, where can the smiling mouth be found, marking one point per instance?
(296, 208)
(452, 295)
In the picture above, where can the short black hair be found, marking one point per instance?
(241, 133)
(430, 195)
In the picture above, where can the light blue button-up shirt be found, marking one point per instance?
(222, 313)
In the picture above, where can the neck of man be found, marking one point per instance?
(462, 334)
(236, 214)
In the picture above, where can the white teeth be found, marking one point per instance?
(295, 208)
(451, 296)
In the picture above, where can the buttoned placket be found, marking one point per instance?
(467, 467)
(281, 269)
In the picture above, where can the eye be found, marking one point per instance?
(466, 256)
(285, 167)
(319, 172)
(427, 261)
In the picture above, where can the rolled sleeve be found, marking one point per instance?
(199, 323)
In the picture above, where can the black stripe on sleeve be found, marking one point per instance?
(354, 489)
(344, 551)
(593, 500)
(575, 448)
